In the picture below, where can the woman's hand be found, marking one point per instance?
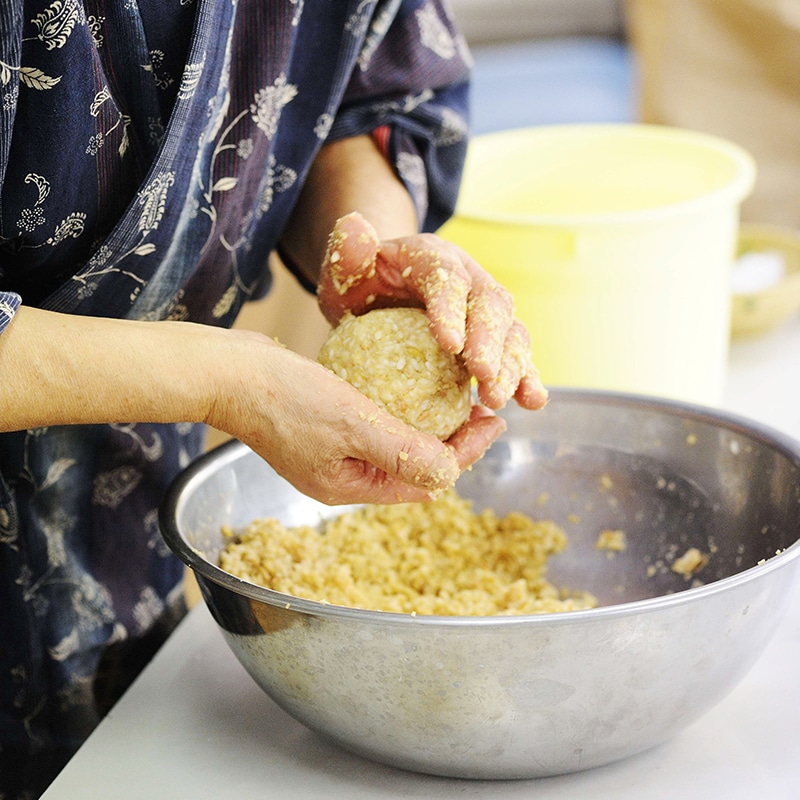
(328, 439)
(317, 431)
(384, 263)
(469, 312)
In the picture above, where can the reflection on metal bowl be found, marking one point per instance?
(518, 697)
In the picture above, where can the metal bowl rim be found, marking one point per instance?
(232, 450)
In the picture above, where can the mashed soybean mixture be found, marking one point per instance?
(390, 355)
(440, 557)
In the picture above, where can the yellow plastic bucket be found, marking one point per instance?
(617, 243)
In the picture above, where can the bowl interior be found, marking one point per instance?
(670, 476)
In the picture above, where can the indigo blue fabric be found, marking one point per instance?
(150, 154)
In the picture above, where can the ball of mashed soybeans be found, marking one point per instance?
(390, 355)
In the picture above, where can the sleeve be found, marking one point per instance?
(411, 86)
(9, 303)
(11, 23)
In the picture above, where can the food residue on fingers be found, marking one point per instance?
(483, 316)
(446, 292)
(343, 272)
(516, 364)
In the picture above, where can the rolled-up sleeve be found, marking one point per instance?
(9, 304)
(413, 76)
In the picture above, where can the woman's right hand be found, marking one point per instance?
(317, 431)
(330, 441)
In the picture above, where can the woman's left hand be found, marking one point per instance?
(469, 312)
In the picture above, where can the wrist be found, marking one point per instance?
(347, 175)
(61, 369)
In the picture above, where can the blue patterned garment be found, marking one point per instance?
(150, 154)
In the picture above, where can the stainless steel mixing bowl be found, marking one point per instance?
(513, 697)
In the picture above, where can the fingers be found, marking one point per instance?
(381, 460)
(465, 304)
(411, 482)
(359, 273)
(348, 268)
(490, 317)
(329, 440)
(469, 312)
(497, 347)
(476, 436)
(413, 478)
(517, 376)
(435, 274)
(356, 452)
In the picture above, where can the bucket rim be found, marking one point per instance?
(731, 194)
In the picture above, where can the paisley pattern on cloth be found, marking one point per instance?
(150, 154)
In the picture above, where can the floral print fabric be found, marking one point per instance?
(150, 154)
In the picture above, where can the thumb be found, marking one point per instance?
(396, 463)
(349, 264)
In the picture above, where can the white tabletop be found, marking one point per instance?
(195, 726)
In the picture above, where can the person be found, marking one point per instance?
(153, 155)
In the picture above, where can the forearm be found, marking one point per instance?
(347, 175)
(310, 425)
(62, 369)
